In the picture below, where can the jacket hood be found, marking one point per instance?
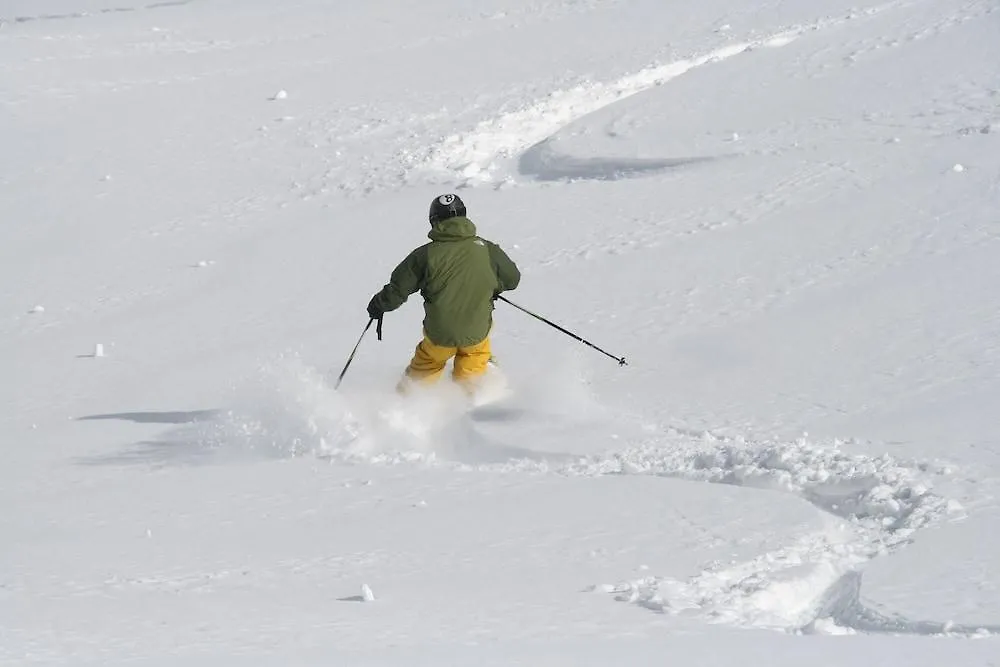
(452, 229)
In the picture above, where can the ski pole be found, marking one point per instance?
(621, 360)
(356, 346)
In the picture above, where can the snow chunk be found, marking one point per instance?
(37, 310)
(366, 593)
(958, 168)
(280, 95)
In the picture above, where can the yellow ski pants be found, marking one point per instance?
(429, 361)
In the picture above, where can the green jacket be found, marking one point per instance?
(457, 274)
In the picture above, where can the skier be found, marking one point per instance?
(459, 275)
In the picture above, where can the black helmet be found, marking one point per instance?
(444, 207)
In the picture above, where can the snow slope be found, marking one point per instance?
(783, 214)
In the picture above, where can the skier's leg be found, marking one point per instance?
(427, 364)
(471, 362)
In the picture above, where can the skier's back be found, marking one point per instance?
(459, 275)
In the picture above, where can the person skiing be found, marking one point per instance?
(459, 275)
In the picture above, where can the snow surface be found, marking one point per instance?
(783, 214)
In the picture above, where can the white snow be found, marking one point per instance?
(754, 203)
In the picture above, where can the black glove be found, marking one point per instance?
(374, 310)
(496, 295)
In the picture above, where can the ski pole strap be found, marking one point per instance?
(378, 328)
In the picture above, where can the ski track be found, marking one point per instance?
(476, 157)
(479, 156)
(876, 505)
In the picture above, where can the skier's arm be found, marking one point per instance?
(406, 279)
(508, 275)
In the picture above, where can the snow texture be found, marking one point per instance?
(783, 214)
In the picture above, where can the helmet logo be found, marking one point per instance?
(446, 200)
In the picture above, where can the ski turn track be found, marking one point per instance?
(875, 505)
(478, 157)
(481, 156)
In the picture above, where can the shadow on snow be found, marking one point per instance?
(212, 437)
(190, 417)
(543, 163)
(843, 604)
(107, 10)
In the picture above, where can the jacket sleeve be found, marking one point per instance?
(406, 279)
(508, 275)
